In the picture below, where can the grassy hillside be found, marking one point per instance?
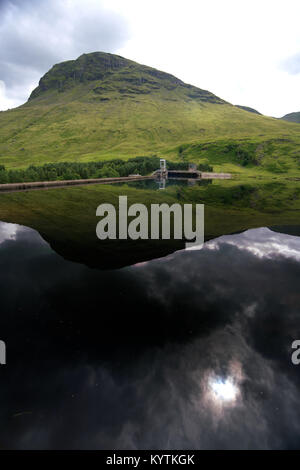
(292, 117)
(102, 106)
(246, 108)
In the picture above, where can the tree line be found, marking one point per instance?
(86, 170)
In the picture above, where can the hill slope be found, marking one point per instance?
(246, 108)
(292, 117)
(103, 106)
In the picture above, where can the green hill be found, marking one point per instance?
(292, 117)
(246, 108)
(102, 106)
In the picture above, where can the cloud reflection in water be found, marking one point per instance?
(188, 352)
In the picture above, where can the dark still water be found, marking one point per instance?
(189, 351)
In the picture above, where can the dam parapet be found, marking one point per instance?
(192, 173)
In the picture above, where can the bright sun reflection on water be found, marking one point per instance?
(223, 389)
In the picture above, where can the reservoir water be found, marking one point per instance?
(166, 349)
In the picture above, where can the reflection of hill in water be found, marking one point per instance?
(66, 217)
(114, 254)
(287, 229)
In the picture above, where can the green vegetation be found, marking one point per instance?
(246, 108)
(102, 107)
(80, 170)
(66, 217)
(292, 117)
(250, 156)
(86, 170)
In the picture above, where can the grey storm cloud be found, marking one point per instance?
(36, 34)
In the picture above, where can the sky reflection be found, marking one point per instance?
(223, 389)
(261, 242)
(190, 352)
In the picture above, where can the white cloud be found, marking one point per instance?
(8, 232)
(245, 52)
(292, 64)
(6, 103)
(262, 243)
(234, 49)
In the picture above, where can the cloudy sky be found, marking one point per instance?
(247, 52)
